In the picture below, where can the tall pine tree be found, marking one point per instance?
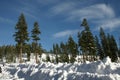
(109, 45)
(99, 48)
(105, 43)
(113, 49)
(36, 38)
(87, 42)
(21, 34)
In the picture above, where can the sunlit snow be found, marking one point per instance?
(99, 70)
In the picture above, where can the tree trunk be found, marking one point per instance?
(21, 53)
(84, 57)
(36, 57)
(36, 54)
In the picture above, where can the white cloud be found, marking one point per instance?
(112, 24)
(98, 11)
(109, 24)
(101, 15)
(62, 8)
(65, 33)
(70, 9)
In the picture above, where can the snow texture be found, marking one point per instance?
(99, 70)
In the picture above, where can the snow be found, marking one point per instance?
(98, 70)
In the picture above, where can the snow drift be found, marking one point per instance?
(99, 70)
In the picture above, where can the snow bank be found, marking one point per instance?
(100, 70)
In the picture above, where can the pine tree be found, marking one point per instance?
(109, 42)
(105, 43)
(36, 38)
(103, 40)
(1, 50)
(113, 49)
(109, 45)
(79, 46)
(99, 48)
(64, 53)
(56, 51)
(9, 52)
(87, 41)
(73, 49)
(21, 34)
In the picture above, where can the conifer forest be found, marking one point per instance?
(88, 45)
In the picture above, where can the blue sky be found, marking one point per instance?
(59, 18)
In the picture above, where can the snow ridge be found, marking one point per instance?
(99, 70)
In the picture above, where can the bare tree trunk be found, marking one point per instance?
(36, 57)
(84, 57)
(21, 53)
(36, 54)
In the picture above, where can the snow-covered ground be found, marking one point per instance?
(99, 70)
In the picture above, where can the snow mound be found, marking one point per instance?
(99, 70)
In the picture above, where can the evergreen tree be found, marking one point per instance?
(21, 34)
(113, 49)
(73, 49)
(56, 51)
(64, 53)
(103, 39)
(82, 52)
(99, 48)
(105, 43)
(35, 37)
(1, 50)
(109, 45)
(119, 48)
(87, 41)
(8, 53)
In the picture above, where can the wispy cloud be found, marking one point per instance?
(6, 20)
(98, 11)
(70, 9)
(110, 24)
(62, 8)
(102, 15)
(65, 33)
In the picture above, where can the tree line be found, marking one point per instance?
(89, 46)
(10, 53)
